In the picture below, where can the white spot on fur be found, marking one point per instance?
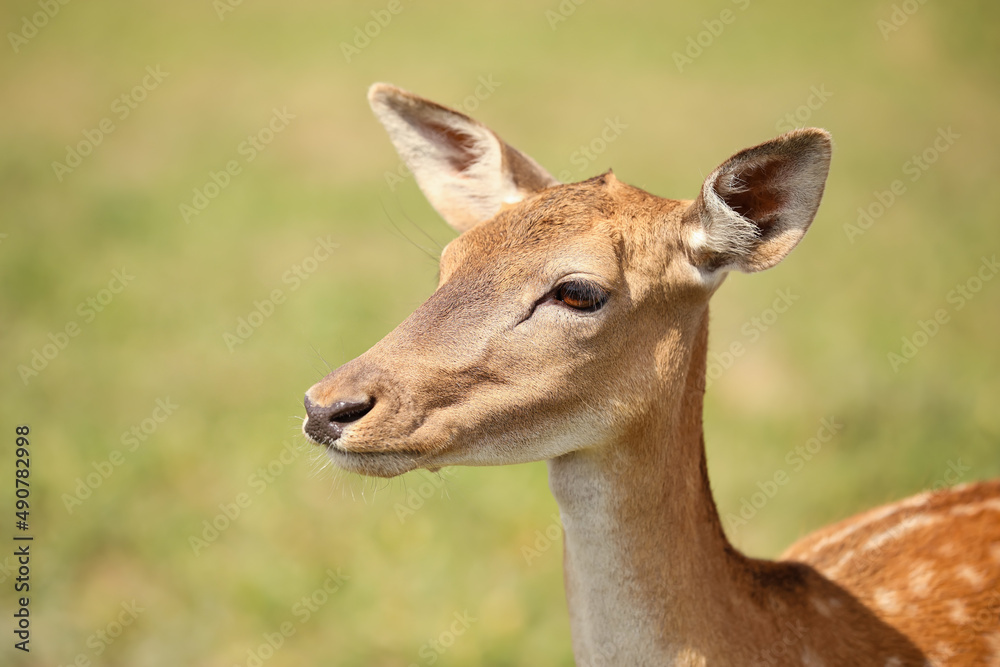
(863, 520)
(821, 607)
(971, 575)
(893, 662)
(957, 612)
(905, 526)
(942, 653)
(688, 656)
(915, 501)
(888, 601)
(949, 550)
(877, 542)
(920, 579)
(975, 508)
(869, 518)
(698, 239)
(810, 659)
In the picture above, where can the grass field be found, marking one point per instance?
(167, 168)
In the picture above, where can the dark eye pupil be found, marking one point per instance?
(581, 295)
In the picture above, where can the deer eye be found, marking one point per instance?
(581, 295)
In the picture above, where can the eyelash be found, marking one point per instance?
(582, 296)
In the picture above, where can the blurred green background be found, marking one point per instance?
(401, 558)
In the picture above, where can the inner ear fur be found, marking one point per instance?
(464, 169)
(756, 206)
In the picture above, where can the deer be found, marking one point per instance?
(570, 325)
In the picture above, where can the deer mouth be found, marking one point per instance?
(375, 463)
(368, 436)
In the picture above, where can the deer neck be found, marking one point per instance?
(648, 568)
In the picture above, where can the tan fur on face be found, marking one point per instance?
(455, 399)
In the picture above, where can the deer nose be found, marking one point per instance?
(326, 423)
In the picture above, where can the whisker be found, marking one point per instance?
(322, 358)
(426, 251)
(420, 229)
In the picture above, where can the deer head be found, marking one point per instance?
(564, 312)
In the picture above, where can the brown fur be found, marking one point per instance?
(490, 370)
(903, 561)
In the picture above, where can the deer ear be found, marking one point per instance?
(759, 203)
(465, 171)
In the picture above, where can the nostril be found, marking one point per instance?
(326, 423)
(345, 412)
